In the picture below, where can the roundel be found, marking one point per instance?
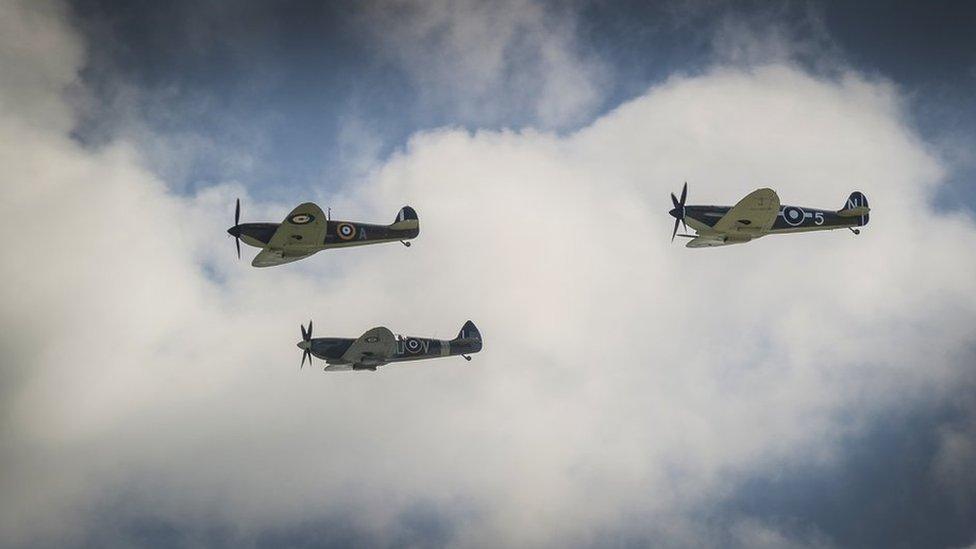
(413, 345)
(301, 219)
(793, 215)
(346, 231)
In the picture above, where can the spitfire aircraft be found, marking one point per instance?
(379, 346)
(306, 230)
(759, 214)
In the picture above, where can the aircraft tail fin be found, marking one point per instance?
(856, 206)
(407, 220)
(470, 337)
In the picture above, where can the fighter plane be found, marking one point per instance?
(379, 346)
(306, 230)
(759, 214)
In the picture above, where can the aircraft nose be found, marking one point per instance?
(303, 345)
(234, 231)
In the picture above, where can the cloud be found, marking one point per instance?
(957, 450)
(490, 62)
(776, 32)
(151, 394)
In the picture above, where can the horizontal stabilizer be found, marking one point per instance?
(854, 212)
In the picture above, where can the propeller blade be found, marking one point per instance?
(678, 212)
(236, 231)
(684, 195)
(307, 338)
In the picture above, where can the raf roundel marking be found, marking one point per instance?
(346, 231)
(793, 215)
(301, 219)
(413, 346)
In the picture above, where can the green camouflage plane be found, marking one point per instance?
(759, 214)
(306, 230)
(379, 346)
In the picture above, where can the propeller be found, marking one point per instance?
(306, 344)
(678, 212)
(235, 231)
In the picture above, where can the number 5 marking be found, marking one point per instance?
(818, 218)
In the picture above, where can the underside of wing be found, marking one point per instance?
(706, 242)
(374, 347)
(712, 241)
(302, 230)
(270, 258)
(754, 215)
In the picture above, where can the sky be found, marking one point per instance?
(807, 391)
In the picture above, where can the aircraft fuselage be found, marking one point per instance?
(339, 234)
(790, 219)
(332, 349)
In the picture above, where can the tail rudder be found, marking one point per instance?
(469, 331)
(469, 337)
(407, 220)
(856, 206)
(406, 213)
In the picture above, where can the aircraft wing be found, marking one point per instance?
(270, 258)
(303, 229)
(753, 215)
(374, 347)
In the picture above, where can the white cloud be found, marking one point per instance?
(626, 383)
(750, 533)
(30, 70)
(778, 32)
(487, 62)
